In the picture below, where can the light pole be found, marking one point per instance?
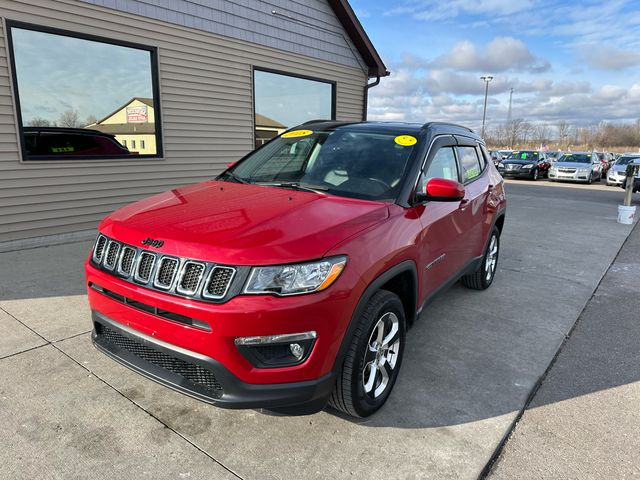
(486, 79)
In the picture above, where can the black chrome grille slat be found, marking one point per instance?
(218, 282)
(127, 258)
(196, 374)
(190, 278)
(98, 250)
(166, 272)
(145, 265)
(111, 255)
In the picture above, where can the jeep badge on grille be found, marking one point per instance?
(152, 243)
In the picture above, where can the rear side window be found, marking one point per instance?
(469, 163)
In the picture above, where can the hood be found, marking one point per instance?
(243, 224)
(519, 161)
(571, 165)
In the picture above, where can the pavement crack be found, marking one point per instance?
(201, 450)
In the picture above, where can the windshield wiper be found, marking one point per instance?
(233, 176)
(295, 186)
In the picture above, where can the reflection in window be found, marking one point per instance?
(283, 101)
(82, 98)
(469, 163)
(443, 165)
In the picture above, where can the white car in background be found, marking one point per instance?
(618, 171)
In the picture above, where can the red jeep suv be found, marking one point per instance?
(290, 280)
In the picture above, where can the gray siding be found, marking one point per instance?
(307, 27)
(206, 108)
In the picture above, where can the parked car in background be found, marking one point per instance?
(618, 172)
(606, 160)
(552, 155)
(529, 164)
(495, 156)
(504, 154)
(50, 143)
(581, 167)
(290, 280)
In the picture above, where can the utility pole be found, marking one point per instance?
(509, 111)
(486, 79)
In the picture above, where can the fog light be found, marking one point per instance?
(296, 350)
(272, 351)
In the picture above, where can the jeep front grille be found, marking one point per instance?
(196, 375)
(184, 277)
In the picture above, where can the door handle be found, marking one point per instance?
(464, 203)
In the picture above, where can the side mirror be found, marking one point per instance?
(441, 190)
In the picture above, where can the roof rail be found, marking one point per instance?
(448, 124)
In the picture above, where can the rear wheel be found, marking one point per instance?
(482, 278)
(373, 360)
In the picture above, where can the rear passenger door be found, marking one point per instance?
(473, 170)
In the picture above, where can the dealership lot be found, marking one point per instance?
(470, 364)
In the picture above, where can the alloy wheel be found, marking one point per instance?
(491, 259)
(381, 356)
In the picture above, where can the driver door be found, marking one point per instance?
(441, 239)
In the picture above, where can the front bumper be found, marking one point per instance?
(206, 334)
(202, 377)
(569, 177)
(520, 173)
(614, 179)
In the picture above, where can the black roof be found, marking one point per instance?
(76, 131)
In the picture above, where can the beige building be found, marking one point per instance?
(133, 124)
(187, 78)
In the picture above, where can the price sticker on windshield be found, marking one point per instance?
(406, 140)
(297, 133)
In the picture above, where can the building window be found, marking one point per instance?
(133, 144)
(77, 96)
(282, 101)
(141, 144)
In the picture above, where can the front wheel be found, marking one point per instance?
(535, 175)
(590, 180)
(373, 360)
(482, 278)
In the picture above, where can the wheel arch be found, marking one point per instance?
(401, 279)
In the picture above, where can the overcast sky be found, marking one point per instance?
(57, 73)
(578, 61)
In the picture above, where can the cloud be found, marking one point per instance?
(439, 10)
(608, 57)
(500, 55)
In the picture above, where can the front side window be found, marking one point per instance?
(77, 97)
(469, 163)
(343, 162)
(284, 101)
(443, 165)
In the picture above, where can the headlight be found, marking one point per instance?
(584, 170)
(295, 279)
(500, 165)
(528, 165)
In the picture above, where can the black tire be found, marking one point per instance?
(535, 175)
(481, 279)
(349, 395)
(590, 180)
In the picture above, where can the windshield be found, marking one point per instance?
(343, 162)
(627, 159)
(575, 158)
(523, 156)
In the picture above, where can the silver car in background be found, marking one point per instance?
(584, 167)
(618, 170)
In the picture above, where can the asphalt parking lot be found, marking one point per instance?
(471, 362)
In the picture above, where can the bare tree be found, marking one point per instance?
(541, 134)
(513, 130)
(563, 131)
(70, 118)
(91, 119)
(40, 122)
